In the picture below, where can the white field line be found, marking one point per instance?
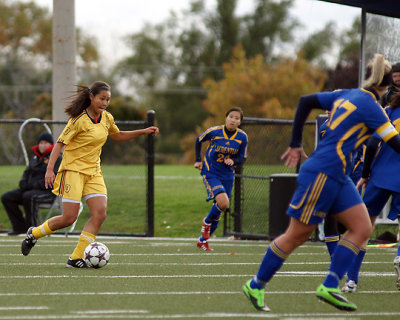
(175, 293)
(181, 263)
(215, 315)
(278, 274)
(144, 177)
(13, 308)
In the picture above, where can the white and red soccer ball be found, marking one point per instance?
(96, 255)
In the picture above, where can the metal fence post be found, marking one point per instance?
(237, 213)
(150, 176)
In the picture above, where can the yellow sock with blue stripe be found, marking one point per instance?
(42, 230)
(84, 240)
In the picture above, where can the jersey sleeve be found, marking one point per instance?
(326, 99)
(113, 129)
(243, 147)
(378, 120)
(70, 130)
(206, 135)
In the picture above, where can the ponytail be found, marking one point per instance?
(81, 99)
(378, 72)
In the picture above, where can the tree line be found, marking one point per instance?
(189, 68)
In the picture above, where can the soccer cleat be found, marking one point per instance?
(204, 245)
(76, 263)
(396, 263)
(256, 297)
(28, 243)
(350, 286)
(205, 230)
(335, 298)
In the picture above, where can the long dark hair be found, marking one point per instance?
(238, 109)
(81, 99)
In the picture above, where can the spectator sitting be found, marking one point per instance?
(30, 186)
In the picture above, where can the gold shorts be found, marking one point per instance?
(74, 185)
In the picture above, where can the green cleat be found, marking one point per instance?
(256, 297)
(334, 297)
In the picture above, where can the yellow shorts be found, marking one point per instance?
(74, 185)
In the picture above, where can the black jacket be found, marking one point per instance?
(388, 95)
(33, 176)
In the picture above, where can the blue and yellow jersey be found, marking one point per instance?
(83, 139)
(385, 169)
(356, 114)
(223, 145)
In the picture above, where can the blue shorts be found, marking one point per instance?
(215, 185)
(375, 199)
(317, 195)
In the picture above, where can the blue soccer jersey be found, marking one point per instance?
(385, 168)
(356, 114)
(223, 145)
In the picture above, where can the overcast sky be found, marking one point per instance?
(116, 18)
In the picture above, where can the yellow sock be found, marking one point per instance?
(42, 230)
(84, 239)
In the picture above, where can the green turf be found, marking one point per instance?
(172, 279)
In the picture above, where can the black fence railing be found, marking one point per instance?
(250, 216)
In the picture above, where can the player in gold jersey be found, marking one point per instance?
(79, 175)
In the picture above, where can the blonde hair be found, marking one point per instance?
(378, 68)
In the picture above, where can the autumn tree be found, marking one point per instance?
(262, 90)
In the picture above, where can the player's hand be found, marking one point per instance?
(362, 183)
(229, 162)
(49, 179)
(292, 156)
(152, 130)
(198, 165)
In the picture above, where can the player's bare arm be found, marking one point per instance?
(128, 135)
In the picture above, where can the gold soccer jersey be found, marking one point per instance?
(83, 139)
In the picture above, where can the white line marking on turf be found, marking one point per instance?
(109, 311)
(279, 274)
(9, 308)
(144, 293)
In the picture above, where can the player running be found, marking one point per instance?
(228, 147)
(79, 174)
(323, 185)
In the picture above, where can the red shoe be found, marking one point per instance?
(205, 230)
(204, 245)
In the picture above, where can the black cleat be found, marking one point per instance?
(76, 263)
(28, 243)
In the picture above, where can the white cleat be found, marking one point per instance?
(350, 286)
(396, 263)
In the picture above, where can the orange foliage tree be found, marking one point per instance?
(260, 89)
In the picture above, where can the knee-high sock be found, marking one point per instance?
(213, 214)
(331, 242)
(341, 261)
(352, 273)
(84, 239)
(271, 263)
(42, 230)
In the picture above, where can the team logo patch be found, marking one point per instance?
(320, 214)
(67, 130)
(67, 188)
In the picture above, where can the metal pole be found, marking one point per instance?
(361, 73)
(150, 176)
(64, 52)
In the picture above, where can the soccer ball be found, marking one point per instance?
(96, 255)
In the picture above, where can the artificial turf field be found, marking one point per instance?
(156, 278)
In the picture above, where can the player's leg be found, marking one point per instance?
(97, 204)
(331, 233)
(278, 251)
(312, 196)
(375, 199)
(11, 201)
(358, 224)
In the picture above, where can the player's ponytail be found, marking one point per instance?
(378, 72)
(81, 99)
